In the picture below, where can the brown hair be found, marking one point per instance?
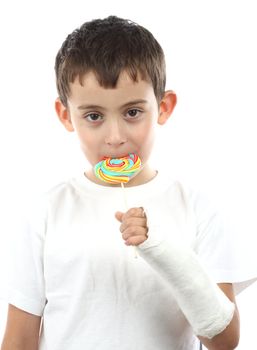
(107, 47)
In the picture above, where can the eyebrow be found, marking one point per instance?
(130, 103)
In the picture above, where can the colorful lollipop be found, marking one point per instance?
(118, 170)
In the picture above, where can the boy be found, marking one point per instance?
(73, 270)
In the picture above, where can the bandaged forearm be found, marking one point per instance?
(206, 307)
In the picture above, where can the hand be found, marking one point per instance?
(133, 226)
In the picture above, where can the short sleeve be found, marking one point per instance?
(221, 249)
(25, 287)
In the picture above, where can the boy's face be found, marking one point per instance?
(113, 122)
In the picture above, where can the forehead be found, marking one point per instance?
(89, 89)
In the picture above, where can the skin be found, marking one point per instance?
(22, 330)
(113, 123)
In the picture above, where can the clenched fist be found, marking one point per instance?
(133, 226)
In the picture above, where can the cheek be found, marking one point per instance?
(145, 130)
(145, 138)
(85, 135)
(89, 144)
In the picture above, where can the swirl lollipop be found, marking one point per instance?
(118, 170)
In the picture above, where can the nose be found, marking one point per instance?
(115, 134)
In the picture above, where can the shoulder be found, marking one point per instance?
(200, 201)
(192, 198)
(60, 192)
(36, 206)
(61, 189)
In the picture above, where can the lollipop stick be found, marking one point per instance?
(126, 206)
(124, 196)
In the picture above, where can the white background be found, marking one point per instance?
(210, 142)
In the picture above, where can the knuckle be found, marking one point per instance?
(131, 211)
(131, 230)
(136, 211)
(125, 236)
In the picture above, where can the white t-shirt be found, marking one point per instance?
(71, 266)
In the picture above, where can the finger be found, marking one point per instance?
(135, 240)
(135, 212)
(119, 216)
(134, 231)
(130, 222)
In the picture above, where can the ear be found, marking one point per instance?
(167, 106)
(63, 115)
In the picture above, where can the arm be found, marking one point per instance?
(22, 330)
(210, 310)
(229, 338)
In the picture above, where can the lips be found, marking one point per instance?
(116, 156)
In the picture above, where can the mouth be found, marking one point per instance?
(114, 157)
(117, 156)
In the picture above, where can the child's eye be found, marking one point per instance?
(93, 117)
(133, 113)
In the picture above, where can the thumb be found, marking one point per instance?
(119, 216)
